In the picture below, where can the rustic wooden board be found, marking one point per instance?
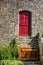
(29, 53)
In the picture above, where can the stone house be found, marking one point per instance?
(11, 11)
(20, 19)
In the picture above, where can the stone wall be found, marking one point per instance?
(9, 19)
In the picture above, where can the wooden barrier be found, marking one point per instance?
(28, 53)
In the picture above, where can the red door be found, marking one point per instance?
(24, 23)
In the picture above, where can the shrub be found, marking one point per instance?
(9, 52)
(11, 62)
(9, 55)
(5, 53)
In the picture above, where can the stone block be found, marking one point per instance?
(32, 62)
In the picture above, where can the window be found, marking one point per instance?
(25, 23)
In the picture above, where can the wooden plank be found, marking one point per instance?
(29, 53)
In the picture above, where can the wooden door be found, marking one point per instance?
(25, 23)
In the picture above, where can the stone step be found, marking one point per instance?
(32, 63)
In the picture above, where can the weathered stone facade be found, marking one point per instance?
(9, 19)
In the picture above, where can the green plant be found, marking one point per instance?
(10, 52)
(11, 62)
(5, 53)
(9, 55)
